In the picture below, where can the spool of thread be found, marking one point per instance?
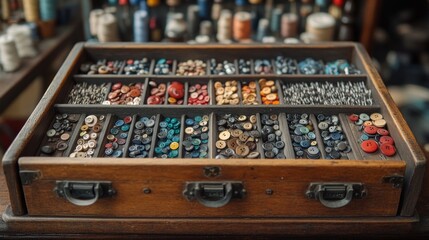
(8, 54)
(5, 9)
(255, 1)
(48, 9)
(47, 28)
(276, 17)
(216, 9)
(176, 27)
(152, 3)
(242, 26)
(263, 28)
(123, 2)
(155, 31)
(143, 5)
(173, 3)
(31, 10)
(206, 28)
(307, 37)
(192, 20)
(141, 24)
(240, 2)
(202, 39)
(204, 9)
(107, 28)
(289, 25)
(135, 2)
(94, 16)
(34, 31)
(224, 26)
(21, 34)
(113, 2)
(321, 25)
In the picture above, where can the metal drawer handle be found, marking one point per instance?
(83, 193)
(214, 194)
(335, 195)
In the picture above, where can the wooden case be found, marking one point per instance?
(153, 189)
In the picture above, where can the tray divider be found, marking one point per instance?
(284, 126)
(73, 138)
(154, 136)
(130, 134)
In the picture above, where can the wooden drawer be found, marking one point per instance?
(357, 185)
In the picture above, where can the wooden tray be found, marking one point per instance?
(274, 188)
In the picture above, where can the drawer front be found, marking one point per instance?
(215, 188)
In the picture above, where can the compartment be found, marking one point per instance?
(164, 66)
(273, 135)
(117, 136)
(263, 66)
(250, 93)
(227, 92)
(143, 136)
(197, 136)
(371, 134)
(237, 136)
(140, 67)
(102, 67)
(192, 67)
(223, 66)
(89, 136)
(200, 92)
(168, 136)
(125, 94)
(59, 134)
(88, 93)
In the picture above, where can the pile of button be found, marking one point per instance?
(227, 93)
(374, 133)
(310, 66)
(168, 138)
(303, 136)
(263, 66)
(122, 94)
(248, 93)
(244, 66)
(191, 68)
(142, 139)
(102, 67)
(273, 145)
(222, 68)
(285, 65)
(195, 142)
(88, 135)
(157, 93)
(137, 67)
(59, 134)
(84, 93)
(333, 137)
(176, 92)
(341, 66)
(117, 137)
(198, 94)
(163, 67)
(238, 136)
(268, 92)
(327, 93)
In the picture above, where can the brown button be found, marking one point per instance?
(253, 119)
(242, 150)
(236, 132)
(65, 136)
(247, 126)
(84, 127)
(232, 143)
(243, 137)
(96, 128)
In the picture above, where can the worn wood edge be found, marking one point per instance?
(413, 186)
(213, 226)
(393, 110)
(9, 161)
(36, 161)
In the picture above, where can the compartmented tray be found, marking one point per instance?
(284, 159)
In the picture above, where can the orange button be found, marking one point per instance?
(369, 146)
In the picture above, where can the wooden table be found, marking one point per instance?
(12, 84)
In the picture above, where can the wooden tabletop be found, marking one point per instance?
(12, 84)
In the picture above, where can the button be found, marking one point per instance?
(225, 135)
(369, 146)
(174, 145)
(371, 130)
(353, 117)
(376, 116)
(387, 139)
(380, 123)
(388, 149)
(382, 132)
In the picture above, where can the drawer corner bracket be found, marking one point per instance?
(396, 180)
(29, 176)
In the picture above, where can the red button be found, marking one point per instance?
(388, 149)
(116, 86)
(153, 100)
(369, 146)
(353, 117)
(176, 90)
(371, 130)
(387, 139)
(128, 119)
(382, 132)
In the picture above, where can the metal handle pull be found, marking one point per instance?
(83, 193)
(335, 195)
(214, 194)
